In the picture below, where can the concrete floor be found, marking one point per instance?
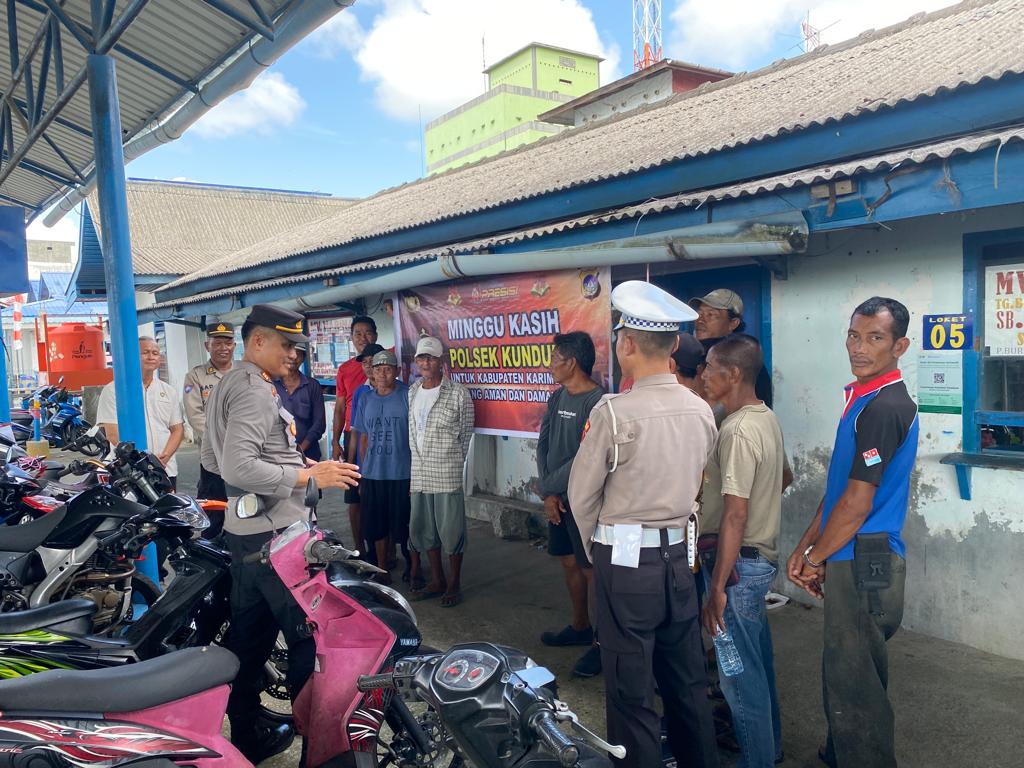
(955, 706)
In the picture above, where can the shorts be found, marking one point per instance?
(351, 494)
(565, 539)
(384, 509)
(438, 520)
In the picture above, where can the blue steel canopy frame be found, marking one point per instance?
(42, 152)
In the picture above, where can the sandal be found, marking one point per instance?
(451, 600)
(420, 596)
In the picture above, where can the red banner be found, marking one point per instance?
(497, 336)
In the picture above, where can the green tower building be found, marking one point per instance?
(532, 80)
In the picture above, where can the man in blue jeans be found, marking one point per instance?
(742, 508)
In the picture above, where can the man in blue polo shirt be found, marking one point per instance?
(855, 538)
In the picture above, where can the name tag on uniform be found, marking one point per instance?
(626, 547)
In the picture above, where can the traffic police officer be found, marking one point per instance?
(199, 383)
(632, 491)
(250, 442)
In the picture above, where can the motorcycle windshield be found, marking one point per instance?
(290, 534)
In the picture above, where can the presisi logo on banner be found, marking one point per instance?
(497, 336)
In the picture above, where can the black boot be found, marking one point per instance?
(262, 739)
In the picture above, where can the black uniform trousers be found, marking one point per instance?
(211, 486)
(649, 632)
(261, 606)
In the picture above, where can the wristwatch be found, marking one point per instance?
(807, 558)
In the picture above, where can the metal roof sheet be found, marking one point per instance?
(187, 39)
(178, 227)
(890, 160)
(961, 45)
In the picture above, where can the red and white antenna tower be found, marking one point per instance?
(646, 33)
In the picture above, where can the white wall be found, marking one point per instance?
(963, 557)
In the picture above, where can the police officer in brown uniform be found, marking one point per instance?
(632, 491)
(250, 441)
(199, 383)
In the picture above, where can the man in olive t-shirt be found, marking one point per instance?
(742, 504)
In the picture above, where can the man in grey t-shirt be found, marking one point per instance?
(572, 362)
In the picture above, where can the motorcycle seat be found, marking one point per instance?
(25, 538)
(45, 616)
(81, 485)
(128, 688)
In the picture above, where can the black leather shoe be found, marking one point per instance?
(263, 740)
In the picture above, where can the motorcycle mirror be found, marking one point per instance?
(247, 506)
(312, 497)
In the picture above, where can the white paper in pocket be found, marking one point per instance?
(626, 548)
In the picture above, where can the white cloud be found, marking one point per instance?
(427, 54)
(269, 103)
(738, 34)
(343, 31)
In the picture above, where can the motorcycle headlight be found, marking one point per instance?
(193, 515)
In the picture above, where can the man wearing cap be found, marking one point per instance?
(349, 378)
(199, 383)
(250, 442)
(720, 313)
(440, 428)
(632, 490)
(303, 397)
(352, 453)
(383, 421)
(687, 363)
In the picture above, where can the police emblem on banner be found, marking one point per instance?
(590, 284)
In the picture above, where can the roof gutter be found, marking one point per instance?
(767, 236)
(293, 27)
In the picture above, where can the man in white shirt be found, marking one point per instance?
(164, 423)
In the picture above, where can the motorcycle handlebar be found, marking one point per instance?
(323, 552)
(564, 749)
(367, 683)
(253, 558)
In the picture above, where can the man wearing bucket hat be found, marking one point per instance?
(632, 490)
(250, 442)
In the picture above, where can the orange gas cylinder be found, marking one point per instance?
(77, 353)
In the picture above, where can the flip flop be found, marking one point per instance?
(450, 601)
(418, 597)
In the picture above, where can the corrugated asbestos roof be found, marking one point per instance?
(178, 227)
(927, 54)
(188, 38)
(891, 160)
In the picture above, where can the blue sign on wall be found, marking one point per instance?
(13, 251)
(951, 332)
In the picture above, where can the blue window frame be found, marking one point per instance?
(993, 414)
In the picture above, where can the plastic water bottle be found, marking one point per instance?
(729, 661)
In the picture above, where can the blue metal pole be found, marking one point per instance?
(116, 246)
(5, 402)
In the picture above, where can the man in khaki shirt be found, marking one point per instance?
(634, 480)
(199, 384)
(741, 513)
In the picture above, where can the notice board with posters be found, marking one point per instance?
(497, 336)
(1004, 310)
(330, 345)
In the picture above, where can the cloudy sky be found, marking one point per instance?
(341, 112)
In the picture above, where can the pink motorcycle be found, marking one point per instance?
(478, 704)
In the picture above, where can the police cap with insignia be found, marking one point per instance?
(646, 307)
(220, 329)
(284, 321)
